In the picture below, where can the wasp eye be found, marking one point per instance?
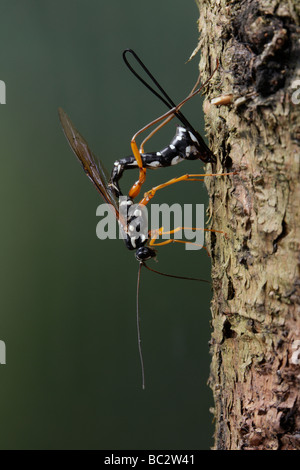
(144, 253)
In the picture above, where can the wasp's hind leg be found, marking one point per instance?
(126, 163)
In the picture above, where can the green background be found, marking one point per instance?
(72, 378)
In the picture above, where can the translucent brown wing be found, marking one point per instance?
(91, 165)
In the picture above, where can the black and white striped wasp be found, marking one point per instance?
(186, 145)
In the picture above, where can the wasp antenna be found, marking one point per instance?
(176, 277)
(138, 326)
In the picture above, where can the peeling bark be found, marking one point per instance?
(255, 344)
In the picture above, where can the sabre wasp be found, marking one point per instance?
(185, 137)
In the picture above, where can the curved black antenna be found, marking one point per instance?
(167, 100)
(138, 326)
(176, 277)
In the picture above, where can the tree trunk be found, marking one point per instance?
(255, 345)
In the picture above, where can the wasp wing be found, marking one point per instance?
(94, 169)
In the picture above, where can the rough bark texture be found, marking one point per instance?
(255, 345)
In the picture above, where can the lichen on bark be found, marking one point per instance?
(255, 344)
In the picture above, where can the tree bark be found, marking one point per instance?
(255, 344)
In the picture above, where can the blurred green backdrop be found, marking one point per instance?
(72, 379)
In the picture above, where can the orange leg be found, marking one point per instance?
(195, 177)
